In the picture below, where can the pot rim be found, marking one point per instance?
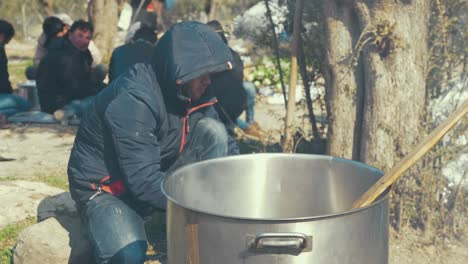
(382, 198)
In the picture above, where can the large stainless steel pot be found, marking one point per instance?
(274, 208)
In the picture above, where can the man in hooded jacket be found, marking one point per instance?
(151, 120)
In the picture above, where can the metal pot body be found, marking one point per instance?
(274, 208)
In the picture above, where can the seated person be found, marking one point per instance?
(55, 27)
(52, 28)
(138, 49)
(64, 78)
(41, 49)
(9, 104)
(233, 94)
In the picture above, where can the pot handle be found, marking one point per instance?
(281, 241)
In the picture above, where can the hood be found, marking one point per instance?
(187, 51)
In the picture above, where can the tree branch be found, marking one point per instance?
(363, 14)
(277, 54)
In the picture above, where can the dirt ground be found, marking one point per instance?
(36, 150)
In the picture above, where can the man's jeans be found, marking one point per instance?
(11, 104)
(115, 230)
(250, 104)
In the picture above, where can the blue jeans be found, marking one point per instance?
(115, 230)
(11, 104)
(78, 107)
(250, 104)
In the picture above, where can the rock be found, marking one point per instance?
(53, 241)
(20, 200)
(59, 237)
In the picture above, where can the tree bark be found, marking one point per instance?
(104, 16)
(341, 85)
(394, 83)
(376, 102)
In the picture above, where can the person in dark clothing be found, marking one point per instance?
(52, 28)
(6, 34)
(64, 79)
(227, 86)
(9, 104)
(234, 94)
(149, 121)
(139, 49)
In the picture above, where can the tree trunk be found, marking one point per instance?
(340, 79)
(24, 20)
(104, 16)
(376, 110)
(213, 12)
(394, 82)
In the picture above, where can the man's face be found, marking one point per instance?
(197, 87)
(80, 38)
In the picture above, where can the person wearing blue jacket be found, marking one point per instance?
(154, 118)
(137, 50)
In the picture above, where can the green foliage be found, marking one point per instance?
(266, 73)
(9, 236)
(53, 179)
(9, 178)
(17, 71)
